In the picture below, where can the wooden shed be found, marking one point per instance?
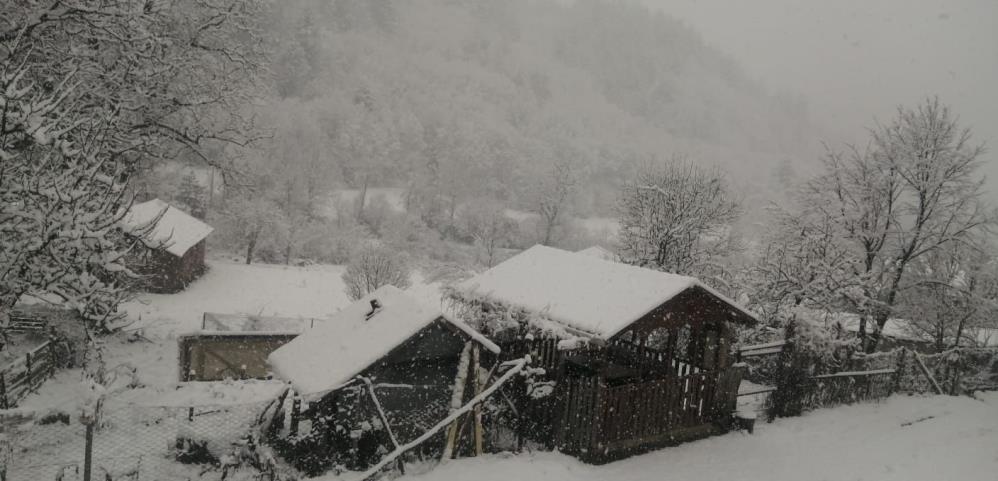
(235, 346)
(638, 359)
(380, 372)
(174, 246)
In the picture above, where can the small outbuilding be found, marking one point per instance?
(235, 346)
(635, 358)
(174, 245)
(379, 373)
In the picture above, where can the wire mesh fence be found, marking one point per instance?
(129, 442)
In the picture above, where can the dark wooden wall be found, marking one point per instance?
(667, 377)
(414, 384)
(231, 356)
(165, 273)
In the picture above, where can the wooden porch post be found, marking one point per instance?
(478, 407)
(457, 397)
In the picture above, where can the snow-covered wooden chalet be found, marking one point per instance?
(638, 358)
(174, 244)
(379, 372)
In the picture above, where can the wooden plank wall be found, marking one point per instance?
(605, 418)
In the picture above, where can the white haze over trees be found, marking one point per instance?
(855, 60)
(540, 109)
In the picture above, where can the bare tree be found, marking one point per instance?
(552, 194)
(677, 217)
(89, 93)
(61, 198)
(488, 227)
(915, 190)
(373, 267)
(802, 264)
(951, 293)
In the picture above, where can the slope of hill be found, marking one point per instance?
(464, 99)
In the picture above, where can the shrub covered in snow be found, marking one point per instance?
(811, 349)
(373, 267)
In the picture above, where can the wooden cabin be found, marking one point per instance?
(380, 371)
(638, 359)
(174, 246)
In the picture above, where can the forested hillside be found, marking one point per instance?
(460, 100)
(538, 108)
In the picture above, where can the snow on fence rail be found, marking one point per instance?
(768, 348)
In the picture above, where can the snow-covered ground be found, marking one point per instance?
(228, 287)
(903, 439)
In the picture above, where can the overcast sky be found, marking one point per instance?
(854, 60)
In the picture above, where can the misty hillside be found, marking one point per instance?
(478, 98)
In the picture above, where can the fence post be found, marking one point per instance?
(88, 455)
(295, 414)
(928, 374)
(898, 372)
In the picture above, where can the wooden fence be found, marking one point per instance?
(602, 420)
(850, 387)
(27, 373)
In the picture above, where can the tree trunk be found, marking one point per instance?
(363, 198)
(251, 246)
(289, 247)
(548, 231)
(862, 331)
(873, 340)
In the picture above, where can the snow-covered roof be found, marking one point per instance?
(213, 321)
(599, 253)
(598, 297)
(332, 353)
(904, 330)
(900, 329)
(175, 231)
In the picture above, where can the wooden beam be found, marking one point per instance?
(515, 367)
(383, 418)
(925, 370)
(478, 407)
(460, 380)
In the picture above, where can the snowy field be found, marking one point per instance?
(901, 439)
(228, 287)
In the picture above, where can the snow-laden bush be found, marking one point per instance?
(811, 349)
(373, 267)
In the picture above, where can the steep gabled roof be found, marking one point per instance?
(589, 294)
(332, 353)
(175, 231)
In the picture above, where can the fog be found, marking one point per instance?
(856, 60)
